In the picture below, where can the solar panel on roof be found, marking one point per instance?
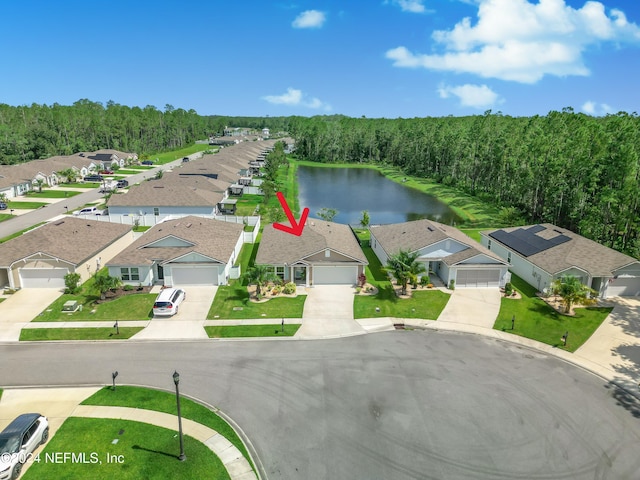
(526, 242)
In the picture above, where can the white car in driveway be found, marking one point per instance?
(168, 301)
(18, 442)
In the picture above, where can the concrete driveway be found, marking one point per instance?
(615, 345)
(188, 322)
(328, 312)
(472, 306)
(22, 307)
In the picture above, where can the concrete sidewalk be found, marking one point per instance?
(57, 404)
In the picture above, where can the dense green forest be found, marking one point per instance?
(41, 131)
(576, 171)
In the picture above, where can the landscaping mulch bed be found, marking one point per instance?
(121, 292)
(266, 294)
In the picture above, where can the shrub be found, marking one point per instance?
(127, 288)
(276, 290)
(452, 284)
(358, 289)
(425, 280)
(71, 281)
(508, 289)
(290, 288)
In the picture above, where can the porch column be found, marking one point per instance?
(306, 273)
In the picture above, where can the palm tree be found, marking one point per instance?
(104, 283)
(573, 291)
(260, 275)
(70, 174)
(38, 183)
(404, 267)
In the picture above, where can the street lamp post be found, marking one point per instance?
(176, 379)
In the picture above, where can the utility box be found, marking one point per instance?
(70, 306)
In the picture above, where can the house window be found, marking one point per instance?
(278, 271)
(508, 257)
(156, 211)
(327, 253)
(489, 245)
(130, 274)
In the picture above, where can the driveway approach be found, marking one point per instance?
(394, 405)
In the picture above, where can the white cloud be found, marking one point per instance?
(413, 6)
(295, 98)
(593, 108)
(519, 41)
(476, 96)
(310, 19)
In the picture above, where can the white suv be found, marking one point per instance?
(18, 442)
(168, 301)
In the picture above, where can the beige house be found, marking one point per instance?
(42, 257)
(188, 251)
(326, 253)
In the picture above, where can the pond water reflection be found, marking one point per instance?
(351, 190)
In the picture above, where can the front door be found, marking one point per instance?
(160, 272)
(300, 274)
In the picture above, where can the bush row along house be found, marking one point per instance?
(16, 180)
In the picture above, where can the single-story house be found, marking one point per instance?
(326, 253)
(445, 251)
(540, 254)
(169, 197)
(40, 258)
(187, 251)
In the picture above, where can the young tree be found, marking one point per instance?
(405, 268)
(327, 213)
(573, 291)
(364, 220)
(69, 174)
(38, 183)
(260, 275)
(3, 197)
(71, 281)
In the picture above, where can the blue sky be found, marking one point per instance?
(377, 58)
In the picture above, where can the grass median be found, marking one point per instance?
(245, 331)
(138, 397)
(72, 333)
(114, 448)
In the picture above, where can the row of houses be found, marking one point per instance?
(16, 180)
(208, 187)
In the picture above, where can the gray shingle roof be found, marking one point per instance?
(170, 192)
(71, 239)
(277, 247)
(413, 236)
(212, 238)
(578, 251)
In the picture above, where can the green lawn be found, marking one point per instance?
(137, 306)
(536, 320)
(81, 185)
(145, 451)
(234, 331)
(247, 204)
(139, 397)
(236, 296)
(5, 216)
(474, 233)
(166, 157)
(88, 333)
(53, 194)
(141, 228)
(127, 171)
(26, 205)
(424, 303)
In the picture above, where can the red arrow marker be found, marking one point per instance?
(295, 228)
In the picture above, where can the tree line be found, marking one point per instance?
(573, 170)
(42, 131)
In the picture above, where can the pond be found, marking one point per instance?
(352, 190)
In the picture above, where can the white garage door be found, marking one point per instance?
(624, 287)
(194, 276)
(478, 278)
(334, 275)
(42, 277)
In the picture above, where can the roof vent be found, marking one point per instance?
(158, 186)
(188, 225)
(59, 223)
(430, 229)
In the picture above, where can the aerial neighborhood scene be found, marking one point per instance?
(361, 241)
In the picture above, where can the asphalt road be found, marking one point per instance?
(395, 405)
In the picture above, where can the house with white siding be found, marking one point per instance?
(540, 254)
